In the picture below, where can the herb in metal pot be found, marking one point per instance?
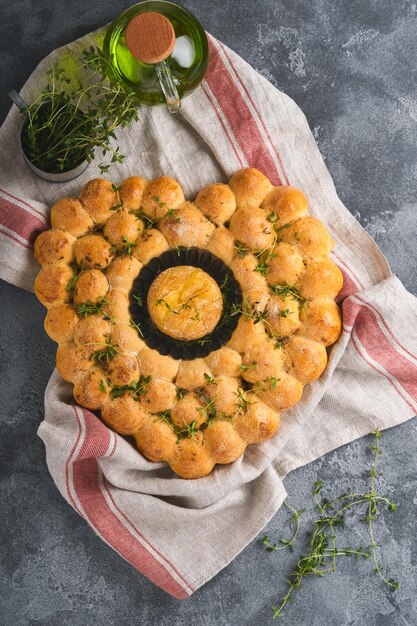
(76, 114)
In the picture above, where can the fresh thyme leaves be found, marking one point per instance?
(209, 410)
(204, 341)
(210, 380)
(188, 430)
(133, 324)
(147, 222)
(138, 389)
(273, 382)
(176, 310)
(253, 314)
(242, 400)
(278, 229)
(323, 551)
(127, 247)
(284, 312)
(106, 354)
(287, 290)
(272, 217)
(91, 308)
(262, 268)
(72, 282)
(78, 112)
(102, 386)
(249, 366)
(138, 298)
(242, 250)
(285, 543)
(180, 394)
(119, 203)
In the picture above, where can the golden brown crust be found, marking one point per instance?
(153, 364)
(92, 251)
(71, 360)
(69, 214)
(161, 195)
(117, 307)
(222, 244)
(187, 410)
(309, 236)
(126, 338)
(252, 229)
(321, 279)
(60, 322)
(283, 315)
(51, 284)
(224, 442)
(156, 439)
(88, 388)
(250, 188)
(258, 423)
(286, 204)
(92, 333)
(217, 202)
(281, 393)
(260, 361)
(122, 228)
(99, 197)
(224, 361)
(191, 458)
(186, 226)
(160, 395)
(123, 414)
(321, 321)
(131, 192)
(53, 246)
(122, 272)
(307, 358)
(91, 285)
(190, 374)
(285, 265)
(191, 414)
(150, 243)
(123, 369)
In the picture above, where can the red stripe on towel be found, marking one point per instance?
(101, 517)
(258, 113)
(387, 328)
(239, 116)
(26, 203)
(370, 364)
(20, 221)
(378, 347)
(6, 234)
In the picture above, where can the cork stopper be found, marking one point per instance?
(150, 37)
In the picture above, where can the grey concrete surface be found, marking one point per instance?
(352, 67)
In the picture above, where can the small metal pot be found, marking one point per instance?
(53, 177)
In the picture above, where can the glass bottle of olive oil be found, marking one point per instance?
(179, 73)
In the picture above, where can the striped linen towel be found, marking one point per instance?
(236, 118)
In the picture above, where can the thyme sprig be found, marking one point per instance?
(91, 308)
(285, 543)
(105, 355)
(127, 247)
(137, 389)
(182, 432)
(323, 551)
(78, 112)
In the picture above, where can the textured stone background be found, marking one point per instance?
(352, 67)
